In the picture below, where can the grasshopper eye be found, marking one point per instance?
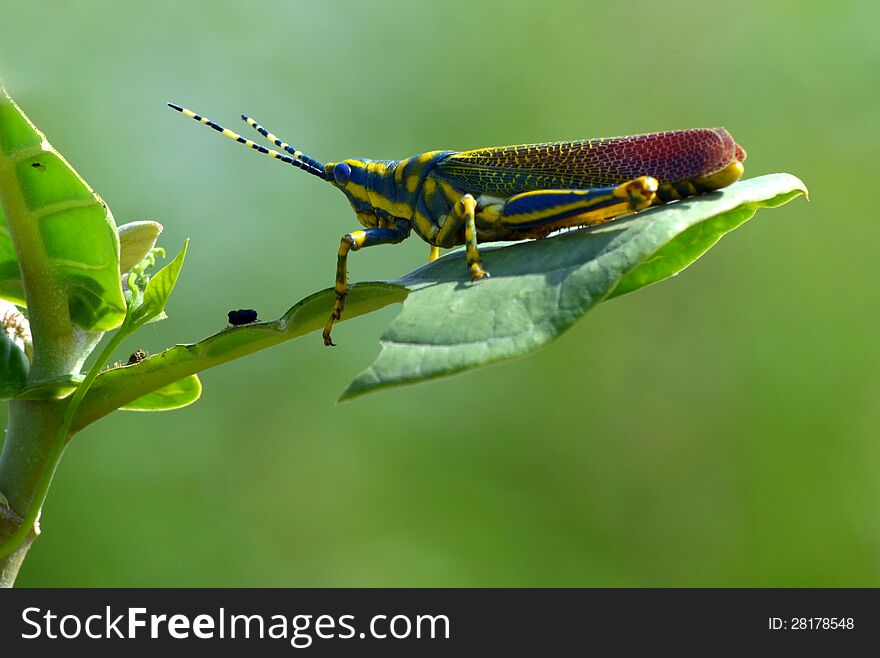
(341, 173)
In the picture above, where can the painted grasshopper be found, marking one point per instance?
(452, 198)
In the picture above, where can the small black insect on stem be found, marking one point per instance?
(137, 356)
(242, 316)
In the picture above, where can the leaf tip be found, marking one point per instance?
(349, 394)
(800, 186)
(364, 383)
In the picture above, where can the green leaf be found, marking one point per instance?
(539, 289)
(118, 387)
(57, 388)
(173, 396)
(449, 324)
(55, 230)
(11, 287)
(135, 241)
(156, 294)
(13, 367)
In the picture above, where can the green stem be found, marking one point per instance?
(10, 565)
(30, 437)
(40, 457)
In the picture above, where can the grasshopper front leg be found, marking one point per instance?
(352, 242)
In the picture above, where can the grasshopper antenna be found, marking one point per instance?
(299, 160)
(298, 155)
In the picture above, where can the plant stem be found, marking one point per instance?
(9, 566)
(30, 440)
(26, 476)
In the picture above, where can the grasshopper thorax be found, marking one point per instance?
(382, 191)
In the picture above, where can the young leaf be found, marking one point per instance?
(173, 396)
(63, 234)
(13, 367)
(155, 295)
(136, 239)
(538, 289)
(57, 388)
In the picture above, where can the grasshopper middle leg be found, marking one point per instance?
(463, 213)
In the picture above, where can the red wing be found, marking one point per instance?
(667, 156)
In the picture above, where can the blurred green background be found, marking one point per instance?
(717, 429)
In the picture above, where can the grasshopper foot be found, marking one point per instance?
(334, 316)
(477, 272)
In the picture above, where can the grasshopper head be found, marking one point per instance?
(350, 176)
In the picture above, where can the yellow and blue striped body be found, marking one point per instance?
(386, 192)
(452, 198)
(528, 191)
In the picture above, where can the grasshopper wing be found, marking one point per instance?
(667, 156)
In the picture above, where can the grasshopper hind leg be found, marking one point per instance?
(538, 213)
